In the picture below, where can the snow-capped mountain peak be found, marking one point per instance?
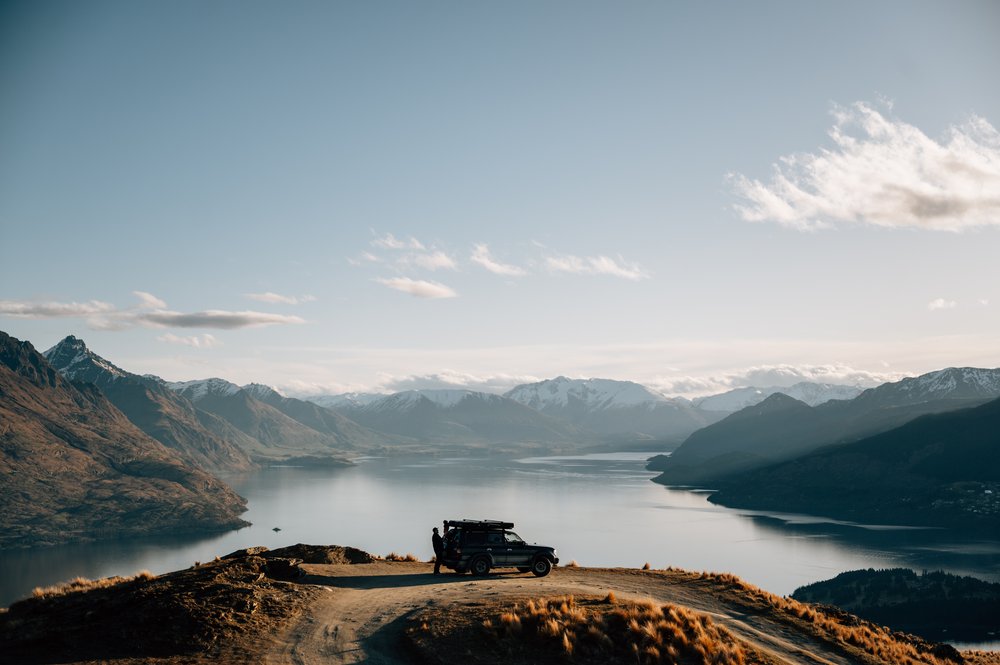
(594, 394)
(76, 362)
(352, 400)
(950, 383)
(196, 390)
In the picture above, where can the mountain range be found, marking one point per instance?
(940, 469)
(462, 417)
(613, 408)
(781, 428)
(73, 467)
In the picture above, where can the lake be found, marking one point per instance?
(598, 509)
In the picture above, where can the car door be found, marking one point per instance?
(496, 545)
(518, 553)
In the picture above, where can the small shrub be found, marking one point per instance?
(573, 564)
(646, 566)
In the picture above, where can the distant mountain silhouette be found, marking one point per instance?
(73, 467)
(941, 469)
(613, 408)
(781, 428)
(349, 434)
(461, 416)
(159, 412)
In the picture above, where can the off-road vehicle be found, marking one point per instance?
(481, 545)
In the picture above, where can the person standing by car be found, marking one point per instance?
(438, 544)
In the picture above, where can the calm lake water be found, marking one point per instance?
(599, 510)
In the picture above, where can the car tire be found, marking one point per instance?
(523, 569)
(480, 566)
(540, 567)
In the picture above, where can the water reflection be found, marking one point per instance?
(600, 510)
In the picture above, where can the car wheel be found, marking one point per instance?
(523, 569)
(480, 566)
(541, 567)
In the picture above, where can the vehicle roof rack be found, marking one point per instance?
(478, 524)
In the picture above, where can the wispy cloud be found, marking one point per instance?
(436, 260)
(941, 303)
(389, 241)
(213, 318)
(884, 172)
(418, 287)
(205, 341)
(448, 379)
(277, 298)
(149, 301)
(596, 265)
(105, 316)
(481, 256)
(50, 309)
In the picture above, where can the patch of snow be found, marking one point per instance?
(196, 390)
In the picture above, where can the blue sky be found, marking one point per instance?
(373, 196)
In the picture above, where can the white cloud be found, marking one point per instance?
(48, 310)
(205, 341)
(214, 318)
(596, 265)
(389, 241)
(481, 256)
(452, 380)
(418, 287)
(436, 260)
(149, 301)
(270, 297)
(941, 303)
(884, 172)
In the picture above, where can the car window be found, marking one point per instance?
(495, 538)
(513, 537)
(475, 538)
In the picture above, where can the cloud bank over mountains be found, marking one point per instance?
(883, 172)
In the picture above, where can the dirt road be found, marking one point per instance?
(363, 609)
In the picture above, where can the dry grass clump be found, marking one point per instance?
(573, 564)
(78, 584)
(843, 628)
(394, 556)
(608, 631)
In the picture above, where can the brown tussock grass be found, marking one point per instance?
(646, 566)
(602, 630)
(837, 626)
(573, 564)
(78, 584)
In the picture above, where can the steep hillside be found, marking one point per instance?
(941, 470)
(73, 467)
(934, 605)
(349, 434)
(149, 405)
(274, 435)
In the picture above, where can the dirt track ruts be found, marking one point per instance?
(362, 610)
